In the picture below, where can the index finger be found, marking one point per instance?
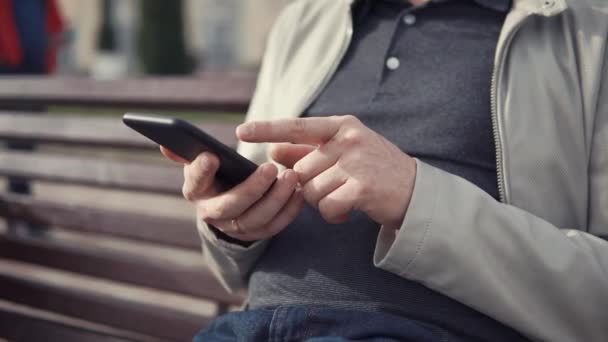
(297, 131)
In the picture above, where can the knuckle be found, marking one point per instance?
(203, 213)
(331, 211)
(328, 215)
(196, 183)
(327, 208)
(351, 138)
(299, 169)
(310, 194)
(253, 128)
(299, 127)
(206, 169)
(351, 120)
(218, 211)
(195, 189)
(213, 209)
(207, 165)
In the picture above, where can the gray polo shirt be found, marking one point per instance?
(421, 78)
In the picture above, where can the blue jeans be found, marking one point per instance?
(315, 324)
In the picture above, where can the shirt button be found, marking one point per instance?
(548, 3)
(393, 63)
(409, 19)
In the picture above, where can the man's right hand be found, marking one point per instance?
(256, 209)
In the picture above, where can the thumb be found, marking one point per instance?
(289, 154)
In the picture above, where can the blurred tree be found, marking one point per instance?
(162, 49)
(107, 38)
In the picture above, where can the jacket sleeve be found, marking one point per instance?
(547, 282)
(232, 263)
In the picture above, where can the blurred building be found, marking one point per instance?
(219, 33)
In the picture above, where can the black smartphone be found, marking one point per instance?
(188, 141)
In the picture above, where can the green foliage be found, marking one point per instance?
(162, 48)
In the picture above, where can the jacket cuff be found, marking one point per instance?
(233, 250)
(398, 249)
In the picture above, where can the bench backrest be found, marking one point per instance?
(162, 254)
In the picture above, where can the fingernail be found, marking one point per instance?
(268, 170)
(290, 176)
(243, 130)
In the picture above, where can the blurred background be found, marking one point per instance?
(109, 39)
(95, 237)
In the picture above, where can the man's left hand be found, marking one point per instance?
(342, 166)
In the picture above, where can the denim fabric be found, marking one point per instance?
(318, 324)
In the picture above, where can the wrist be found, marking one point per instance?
(406, 190)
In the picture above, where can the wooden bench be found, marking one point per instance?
(98, 272)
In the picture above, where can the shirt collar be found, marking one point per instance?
(497, 5)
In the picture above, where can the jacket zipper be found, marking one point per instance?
(497, 138)
(496, 122)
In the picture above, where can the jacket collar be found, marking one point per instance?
(498, 5)
(547, 8)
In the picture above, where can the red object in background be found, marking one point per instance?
(54, 28)
(10, 48)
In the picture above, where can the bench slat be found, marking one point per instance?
(161, 230)
(87, 131)
(20, 327)
(87, 171)
(209, 91)
(129, 267)
(87, 304)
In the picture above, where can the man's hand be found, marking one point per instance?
(353, 168)
(259, 208)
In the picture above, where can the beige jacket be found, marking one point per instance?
(535, 261)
